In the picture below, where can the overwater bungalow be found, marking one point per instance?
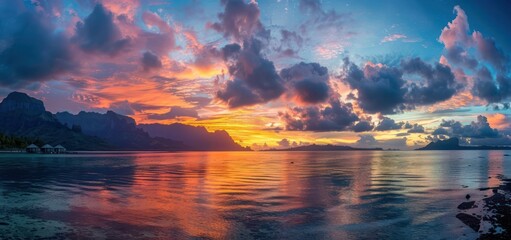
(47, 148)
(32, 148)
(59, 149)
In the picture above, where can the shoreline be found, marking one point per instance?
(490, 217)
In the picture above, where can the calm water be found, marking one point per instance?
(244, 195)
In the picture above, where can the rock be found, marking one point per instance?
(466, 205)
(469, 220)
(467, 197)
(3, 224)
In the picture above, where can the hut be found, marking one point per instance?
(47, 149)
(59, 149)
(32, 148)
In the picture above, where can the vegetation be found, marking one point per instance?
(14, 142)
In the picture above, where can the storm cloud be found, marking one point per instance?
(308, 82)
(439, 82)
(34, 51)
(336, 116)
(254, 78)
(380, 89)
(99, 33)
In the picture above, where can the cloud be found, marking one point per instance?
(175, 112)
(439, 85)
(393, 37)
(476, 129)
(490, 89)
(336, 116)
(473, 51)
(254, 79)
(308, 82)
(34, 51)
(380, 89)
(289, 44)
(150, 61)
(320, 20)
(161, 42)
(240, 20)
(284, 143)
(369, 141)
(362, 126)
(99, 33)
(416, 128)
(388, 124)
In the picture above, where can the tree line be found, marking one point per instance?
(8, 142)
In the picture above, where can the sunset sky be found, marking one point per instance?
(279, 73)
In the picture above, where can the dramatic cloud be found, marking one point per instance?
(492, 90)
(473, 50)
(439, 84)
(150, 61)
(99, 33)
(175, 111)
(254, 79)
(478, 129)
(362, 126)
(416, 128)
(388, 124)
(33, 51)
(336, 116)
(308, 82)
(380, 89)
(240, 20)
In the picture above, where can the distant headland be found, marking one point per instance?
(454, 144)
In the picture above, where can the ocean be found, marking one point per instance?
(244, 195)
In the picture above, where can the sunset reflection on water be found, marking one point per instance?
(244, 195)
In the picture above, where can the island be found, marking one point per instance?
(454, 144)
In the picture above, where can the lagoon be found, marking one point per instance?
(244, 195)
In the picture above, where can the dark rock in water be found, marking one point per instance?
(3, 224)
(507, 155)
(469, 220)
(292, 162)
(466, 205)
(484, 189)
(467, 197)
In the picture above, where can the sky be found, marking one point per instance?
(274, 74)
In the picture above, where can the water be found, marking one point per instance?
(244, 195)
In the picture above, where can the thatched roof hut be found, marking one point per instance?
(32, 148)
(59, 149)
(47, 148)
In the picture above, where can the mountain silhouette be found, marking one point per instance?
(25, 116)
(454, 144)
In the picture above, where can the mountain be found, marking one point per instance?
(24, 116)
(454, 144)
(118, 130)
(198, 138)
(328, 147)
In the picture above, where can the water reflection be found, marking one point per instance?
(226, 195)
